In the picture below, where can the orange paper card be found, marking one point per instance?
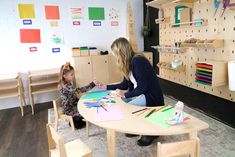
(52, 12)
(30, 36)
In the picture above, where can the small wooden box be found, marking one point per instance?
(84, 51)
(76, 51)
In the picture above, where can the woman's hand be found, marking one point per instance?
(100, 85)
(120, 93)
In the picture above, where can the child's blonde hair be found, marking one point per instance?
(66, 68)
(122, 50)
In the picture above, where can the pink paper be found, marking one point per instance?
(113, 113)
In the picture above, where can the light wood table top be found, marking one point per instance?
(131, 123)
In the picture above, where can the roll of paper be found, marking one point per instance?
(231, 75)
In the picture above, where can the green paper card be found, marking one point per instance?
(159, 118)
(96, 13)
(96, 95)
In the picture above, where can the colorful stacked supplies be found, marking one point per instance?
(204, 73)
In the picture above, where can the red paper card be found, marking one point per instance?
(30, 36)
(52, 12)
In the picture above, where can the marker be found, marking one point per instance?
(103, 108)
(150, 113)
(139, 110)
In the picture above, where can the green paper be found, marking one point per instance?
(159, 118)
(95, 95)
(96, 13)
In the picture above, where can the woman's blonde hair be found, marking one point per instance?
(66, 68)
(123, 52)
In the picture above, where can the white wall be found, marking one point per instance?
(15, 56)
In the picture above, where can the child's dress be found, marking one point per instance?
(69, 98)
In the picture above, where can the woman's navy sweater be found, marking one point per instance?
(147, 82)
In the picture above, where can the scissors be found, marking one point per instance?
(216, 6)
(225, 5)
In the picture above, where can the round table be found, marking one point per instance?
(133, 124)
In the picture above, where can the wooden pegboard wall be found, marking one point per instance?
(218, 28)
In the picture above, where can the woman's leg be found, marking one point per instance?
(138, 101)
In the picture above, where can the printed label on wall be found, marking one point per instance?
(27, 22)
(96, 23)
(76, 23)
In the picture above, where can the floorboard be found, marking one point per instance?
(24, 136)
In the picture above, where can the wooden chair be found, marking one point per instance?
(57, 147)
(188, 147)
(60, 115)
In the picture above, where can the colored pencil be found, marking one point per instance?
(168, 108)
(160, 108)
(150, 113)
(138, 110)
(142, 112)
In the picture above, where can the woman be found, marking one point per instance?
(139, 79)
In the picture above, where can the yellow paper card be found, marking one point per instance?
(26, 11)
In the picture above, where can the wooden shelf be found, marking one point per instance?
(214, 43)
(196, 22)
(11, 86)
(45, 72)
(45, 88)
(8, 85)
(45, 81)
(42, 81)
(170, 49)
(159, 3)
(8, 93)
(5, 77)
(165, 65)
(212, 73)
(162, 20)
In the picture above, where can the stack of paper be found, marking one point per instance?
(204, 73)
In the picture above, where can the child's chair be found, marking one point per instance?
(57, 147)
(188, 147)
(60, 115)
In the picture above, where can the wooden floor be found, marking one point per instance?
(24, 136)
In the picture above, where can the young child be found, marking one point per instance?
(69, 94)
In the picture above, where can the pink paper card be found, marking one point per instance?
(113, 113)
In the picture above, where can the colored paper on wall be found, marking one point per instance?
(52, 12)
(114, 14)
(96, 13)
(159, 118)
(113, 113)
(56, 38)
(30, 36)
(76, 13)
(26, 11)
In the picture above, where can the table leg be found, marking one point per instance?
(111, 139)
(193, 135)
